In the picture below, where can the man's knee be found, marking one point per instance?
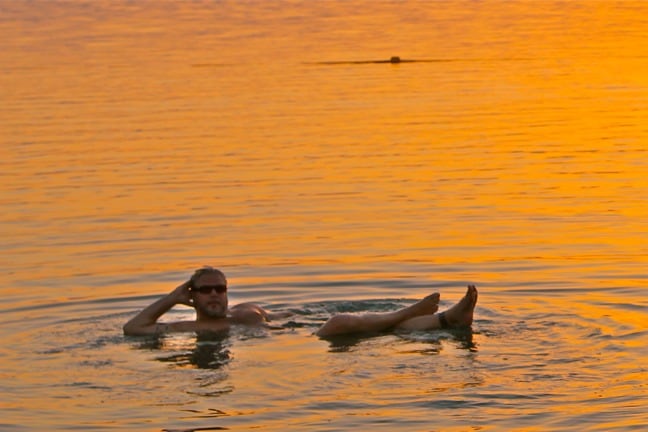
(337, 324)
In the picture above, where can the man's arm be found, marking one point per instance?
(145, 322)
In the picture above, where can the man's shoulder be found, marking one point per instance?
(247, 313)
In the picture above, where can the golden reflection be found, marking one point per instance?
(518, 160)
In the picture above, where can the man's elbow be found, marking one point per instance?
(127, 330)
(131, 330)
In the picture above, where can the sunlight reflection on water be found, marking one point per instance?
(144, 139)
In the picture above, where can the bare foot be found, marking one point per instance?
(426, 306)
(461, 314)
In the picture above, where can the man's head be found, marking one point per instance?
(208, 288)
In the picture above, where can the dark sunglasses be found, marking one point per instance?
(207, 289)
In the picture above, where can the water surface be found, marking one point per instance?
(143, 139)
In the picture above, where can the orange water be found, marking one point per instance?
(143, 139)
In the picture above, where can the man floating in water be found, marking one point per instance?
(206, 292)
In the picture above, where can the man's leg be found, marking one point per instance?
(459, 315)
(375, 322)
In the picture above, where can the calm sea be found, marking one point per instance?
(142, 139)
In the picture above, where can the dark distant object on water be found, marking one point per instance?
(391, 60)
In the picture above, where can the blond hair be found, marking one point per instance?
(204, 270)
